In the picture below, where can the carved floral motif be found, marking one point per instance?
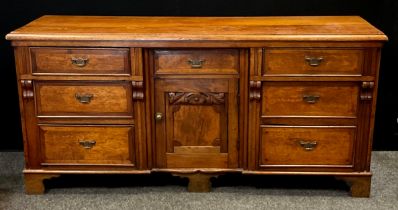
(177, 98)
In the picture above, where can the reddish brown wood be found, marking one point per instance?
(194, 113)
(359, 186)
(313, 61)
(199, 182)
(80, 61)
(83, 98)
(306, 145)
(310, 99)
(34, 182)
(232, 100)
(206, 61)
(87, 144)
(298, 28)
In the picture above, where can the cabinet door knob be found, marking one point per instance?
(158, 116)
(313, 61)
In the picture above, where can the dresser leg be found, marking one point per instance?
(34, 182)
(360, 185)
(198, 182)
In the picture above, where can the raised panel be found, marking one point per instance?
(195, 125)
(199, 61)
(80, 61)
(66, 144)
(84, 99)
(322, 99)
(313, 61)
(321, 146)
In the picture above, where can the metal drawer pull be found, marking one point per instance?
(308, 145)
(80, 61)
(87, 144)
(313, 61)
(84, 98)
(196, 64)
(311, 99)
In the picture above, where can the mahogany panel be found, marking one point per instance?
(294, 28)
(198, 61)
(84, 99)
(313, 61)
(307, 145)
(310, 99)
(197, 160)
(62, 144)
(80, 61)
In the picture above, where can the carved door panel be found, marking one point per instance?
(196, 123)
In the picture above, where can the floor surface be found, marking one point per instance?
(163, 191)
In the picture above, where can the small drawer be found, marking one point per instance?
(87, 145)
(291, 146)
(82, 99)
(209, 61)
(310, 99)
(75, 61)
(313, 61)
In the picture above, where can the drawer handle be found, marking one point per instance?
(308, 145)
(311, 99)
(84, 98)
(196, 64)
(80, 61)
(87, 144)
(313, 61)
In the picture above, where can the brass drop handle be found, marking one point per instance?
(87, 144)
(158, 116)
(311, 99)
(79, 61)
(196, 64)
(308, 145)
(313, 61)
(84, 98)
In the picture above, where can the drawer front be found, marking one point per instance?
(306, 145)
(83, 99)
(310, 99)
(87, 145)
(313, 61)
(80, 61)
(211, 61)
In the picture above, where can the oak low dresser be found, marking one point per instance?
(198, 96)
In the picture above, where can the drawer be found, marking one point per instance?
(320, 145)
(201, 61)
(313, 61)
(85, 61)
(87, 144)
(81, 99)
(338, 99)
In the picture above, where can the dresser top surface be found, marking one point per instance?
(120, 28)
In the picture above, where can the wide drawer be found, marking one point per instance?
(87, 144)
(80, 61)
(322, 145)
(81, 99)
(200, 61)
(338, 99)
(313, 61)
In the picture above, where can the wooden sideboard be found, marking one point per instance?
(198, 96)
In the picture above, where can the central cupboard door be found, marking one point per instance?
(196, 123)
